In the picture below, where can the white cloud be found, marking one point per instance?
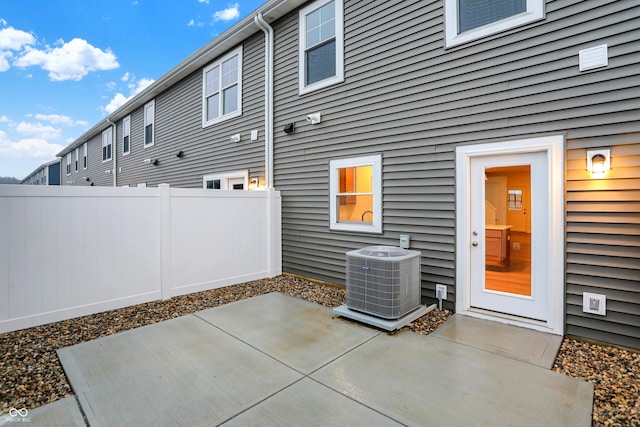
(227, 14)
(38, 130)
(119, 99)
(5, 119)
(69, 61)
(3, 22)
(193, 23)
(57, 119)
(125, 77)
(28, 148)
(203, 1)
(12, 39)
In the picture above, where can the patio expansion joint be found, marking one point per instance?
(304, 375)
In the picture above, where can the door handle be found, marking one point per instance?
(474, 243)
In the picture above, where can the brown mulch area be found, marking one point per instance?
(31, 375)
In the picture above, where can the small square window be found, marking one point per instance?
(356, 194)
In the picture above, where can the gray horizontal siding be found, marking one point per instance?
(410, 99)
(603, 240)
(178, 127)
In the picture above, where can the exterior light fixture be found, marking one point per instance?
(289, 128)
(314, 118)
(155, 162)
(180, 154)
(254, 184)
(598, 161)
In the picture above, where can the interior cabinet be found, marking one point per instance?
(497, 247)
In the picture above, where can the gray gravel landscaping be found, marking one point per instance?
(31, 374)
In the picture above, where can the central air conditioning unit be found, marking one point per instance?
(383, 281)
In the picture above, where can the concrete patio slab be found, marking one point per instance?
(252, 363)
(307, 403)
(529, 346)
(62, 413)
(299, 333)
(422, 380)
(178, 372)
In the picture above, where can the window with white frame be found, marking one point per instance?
(68, 163)
(149, 120)
(85, 150)
(226, 181)
(321, 45)
(355, 191)
(222, 89)
(77, 158)
(467, 20)
(126, 135)
(107, 141)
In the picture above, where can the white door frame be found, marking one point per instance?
(553, 146)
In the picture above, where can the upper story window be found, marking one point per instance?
(85, 150)
(107, 141)
(468, 20)
(222, 89)
(149, 119)
(68, 164)
(355, 188)
(126, 135)
(321, 45)
(77, 158)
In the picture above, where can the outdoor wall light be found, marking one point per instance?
(86, 178)
(254, 184)
(314, 118)
(598, 161)
(289, 128)
(155, 162)
(180, 154)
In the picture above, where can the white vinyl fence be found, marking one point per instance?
(71, 251)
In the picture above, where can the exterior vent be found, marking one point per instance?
(383, 281)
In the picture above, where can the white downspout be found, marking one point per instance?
(268, 99)
(268, 145)
(114, 152)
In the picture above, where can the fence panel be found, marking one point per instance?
(71, 251)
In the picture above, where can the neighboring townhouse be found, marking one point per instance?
(47, 174)
(504, 141)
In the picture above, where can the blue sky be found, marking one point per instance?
(66, 64)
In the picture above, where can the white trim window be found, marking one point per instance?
(238, 180)
(85, 156)
(126, 135)
(149, 121)
(107, 142)
(355, 194)
(321, 45)
(68, 163)
(77, 158)
(222, 89)
(467, 20)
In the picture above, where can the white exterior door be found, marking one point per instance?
(506, 272)
(509, 269)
